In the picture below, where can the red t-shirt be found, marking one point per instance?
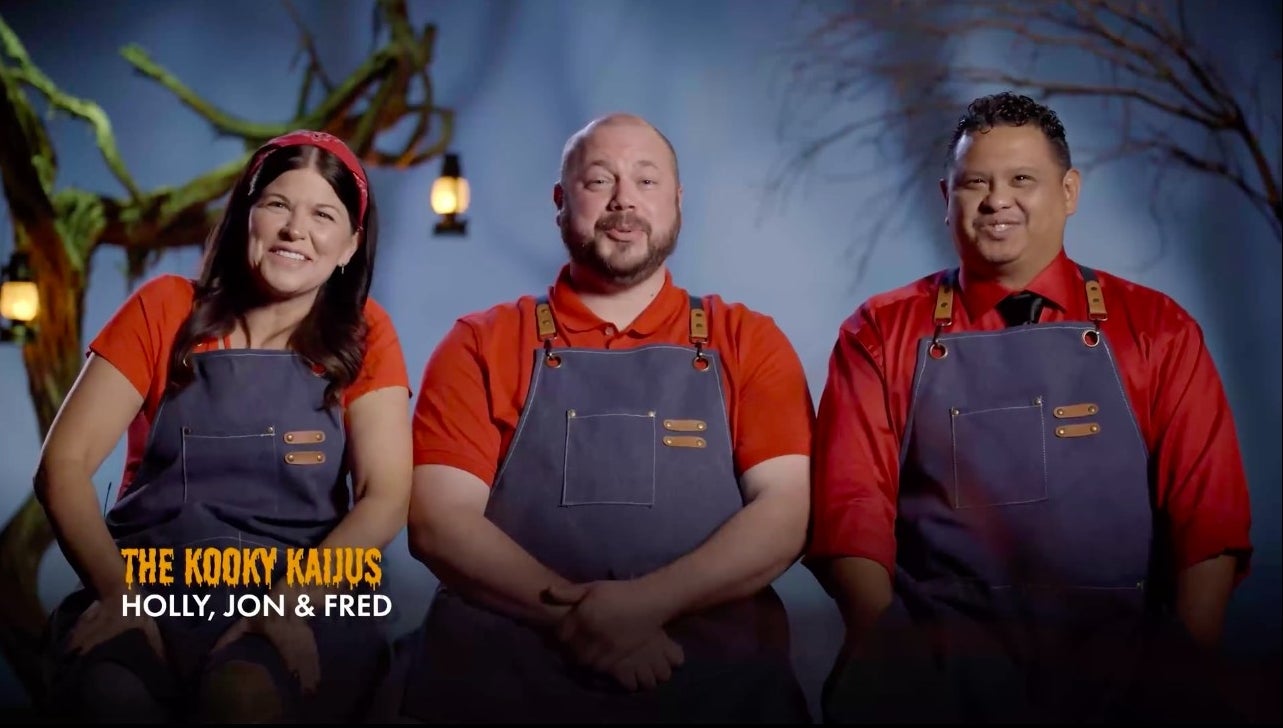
(1169, 377)
(138, 338)
(474, 386)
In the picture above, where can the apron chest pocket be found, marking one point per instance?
(999, 456)
(610, 459)
(231, 470)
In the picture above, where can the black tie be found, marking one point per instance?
(1021, 308)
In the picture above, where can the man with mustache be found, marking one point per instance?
(608, 479)
(1029, 497)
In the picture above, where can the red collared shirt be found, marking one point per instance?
(137, 340)
(474, 386)
(1168, 374)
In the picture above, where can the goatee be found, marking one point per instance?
(583, 248)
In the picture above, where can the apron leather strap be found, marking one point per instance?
(1096, 310)
(699, 332)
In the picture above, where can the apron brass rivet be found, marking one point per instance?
(271, 430)
(1060, 411)
(954, 412)
(320, 458)
(1094, 428)
(1091, 410)
(570, 413)
(289, 458)
(1037, 400)
(289, 438)
(1060, 431)
(319, 437)
(668, 441)
(700, 427)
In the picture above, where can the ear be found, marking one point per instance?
(1071, 186)
(559, 200)
(349, 251)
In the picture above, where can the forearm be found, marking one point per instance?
(743, 556)
(862, 589)
(372, 523)
(483, 564)
(71, 503)
(1202, 595)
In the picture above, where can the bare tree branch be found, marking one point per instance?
(1154, 77)
(61, 229)
(28, 73)
(315, 69)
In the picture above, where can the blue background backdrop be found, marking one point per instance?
(522, 76)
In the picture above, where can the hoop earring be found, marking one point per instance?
(341, 267)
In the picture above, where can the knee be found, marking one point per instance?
(239, 692)
(108, 692)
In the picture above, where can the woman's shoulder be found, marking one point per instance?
(166, 291)
(376, 314)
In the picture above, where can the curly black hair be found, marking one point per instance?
(1010, 109)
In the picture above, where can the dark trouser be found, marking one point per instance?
(124, 680)
(486, 668)
(902, 675)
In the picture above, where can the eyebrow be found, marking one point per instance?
(970, 171)
(280, 196)
(607, 165)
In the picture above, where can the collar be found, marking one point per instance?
(573, 315)
(1060, 282)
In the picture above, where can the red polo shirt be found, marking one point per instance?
(1167, 372)
(138, 338)
(474, 385)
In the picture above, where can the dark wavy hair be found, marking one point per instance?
(332, 335)
(1009, 109)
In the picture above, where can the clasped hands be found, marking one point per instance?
(616, 628)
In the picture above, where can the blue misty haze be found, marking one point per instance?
(522, 77)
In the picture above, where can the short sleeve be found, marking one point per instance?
(452, 423)
(384, 362)
(773, 404)
(137, 338)
(1200, 481)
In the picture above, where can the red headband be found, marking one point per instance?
(329, 143)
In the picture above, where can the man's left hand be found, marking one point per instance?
(608, 620)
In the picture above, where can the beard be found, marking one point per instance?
(586, 248)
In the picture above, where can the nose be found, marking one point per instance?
(999, 198)
(625, 197)
(291, 230)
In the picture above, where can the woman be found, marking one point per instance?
(253, 394)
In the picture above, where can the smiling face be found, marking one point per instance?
(619, 201)
(299, 232)
(1008, 199)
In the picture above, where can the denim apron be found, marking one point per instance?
(621, 463)
(246, 455)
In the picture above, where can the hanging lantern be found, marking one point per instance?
(450, 197)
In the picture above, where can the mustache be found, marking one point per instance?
(623, 219)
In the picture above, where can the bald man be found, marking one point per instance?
(608, 478)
